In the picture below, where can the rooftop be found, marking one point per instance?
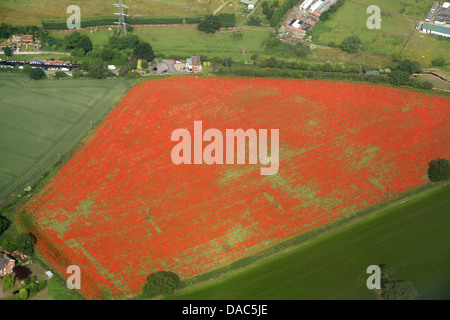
(436, 28)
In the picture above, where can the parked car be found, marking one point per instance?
(164, 71)
(16, 292)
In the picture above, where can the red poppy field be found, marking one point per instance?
(120, 209)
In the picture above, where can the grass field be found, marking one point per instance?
(42, 120)
(29, 12)
(398, 24)
(412, 237)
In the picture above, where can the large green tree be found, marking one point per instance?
(351, 44)
(85, 43)
(144, 51)
(8, 51)
(163, 282)
(37, 73)
(439, 170)
(210, 24)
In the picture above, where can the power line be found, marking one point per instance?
(121, 25)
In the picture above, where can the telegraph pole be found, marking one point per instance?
(121, 25)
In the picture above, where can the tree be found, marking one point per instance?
(399, 77)
(72, 40)
(399, 290)
(439, 170)
(409, 66)
(144, 51)
(25, 243)
(163, 282)
(21, 272)
(85, 43)
(4, 224)
(23, 294)
(8, 51)
(8, 282)
(97, 70)
(351, 44)
(37, 73)
(210, 24)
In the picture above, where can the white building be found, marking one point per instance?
(306, 4)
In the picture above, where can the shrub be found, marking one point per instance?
(210, 24)
(163, 282)
(439, 170)
(37, 73)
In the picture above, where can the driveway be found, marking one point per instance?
(167, 64)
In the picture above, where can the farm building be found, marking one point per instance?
(432, 11)
(295, 25)
(249, 3)
(316, 6)
(306, 4)
(443, 16)
(27, 38)
(6, 264)
(196, 64)
(437, 30)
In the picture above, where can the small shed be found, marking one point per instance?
(49, 274)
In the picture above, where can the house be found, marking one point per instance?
(27, 38)
(249, 3)
(437, 30)
(6, 264)
(196, 64)
(295, 25)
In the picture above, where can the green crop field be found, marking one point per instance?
(397, 26)
(412, 237)
(41, 120)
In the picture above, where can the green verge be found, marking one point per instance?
(412, 236)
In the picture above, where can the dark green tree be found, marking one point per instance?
(72, 40)
(163, 282)
(210, 24)
(85, 43)
(97, 70)
(439, 170)
(37, 73)
(8, 51)
(399, 290)
(399, 77)
(409, 66)
(24, 243)
(144, 51)
(351, 44)
(4, 224)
